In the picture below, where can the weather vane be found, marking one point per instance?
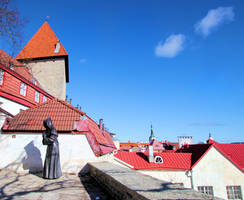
(47, 18)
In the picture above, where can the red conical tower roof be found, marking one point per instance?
(42, 45)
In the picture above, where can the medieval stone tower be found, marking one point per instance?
(47, 60)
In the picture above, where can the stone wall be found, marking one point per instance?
(51, 75)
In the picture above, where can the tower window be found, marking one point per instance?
(44, 99)
(1, 76)
(23, 89)
(37, 97)
(158, 159)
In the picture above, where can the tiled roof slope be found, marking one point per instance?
(171, 161)
(19, 68)
(42, 45)
(6, 59)
(233, 151)
(133, 144)
(65, 118)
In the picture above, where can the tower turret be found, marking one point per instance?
(152, 137)
(47, 60)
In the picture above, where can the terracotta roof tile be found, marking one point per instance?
(42, 45)
(65, 118)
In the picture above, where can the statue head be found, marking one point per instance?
(47, 123)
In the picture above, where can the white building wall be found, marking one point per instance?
(215, 170)
(170, 176)
(26, 152)
(165, 175)
(11, 106)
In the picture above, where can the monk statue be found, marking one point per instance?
(52, 167)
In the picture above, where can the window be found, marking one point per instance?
(158, 159)
(234, 192)
(44, 99)
(37, 96)
(23, 89)
(206, 189)
(1, 76)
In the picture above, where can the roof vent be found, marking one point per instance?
(57, 47)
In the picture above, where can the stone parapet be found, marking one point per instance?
(129, 184)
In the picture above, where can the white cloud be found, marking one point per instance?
(171, 47)
(83, 60)
(213, 19)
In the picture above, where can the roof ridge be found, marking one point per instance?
(70, 106)
(34, 107)
(27, 51)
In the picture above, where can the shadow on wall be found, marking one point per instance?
(32, 160)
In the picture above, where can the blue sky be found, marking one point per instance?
(175, 64)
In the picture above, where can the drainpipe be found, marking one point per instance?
(189, 174)
(192, 185)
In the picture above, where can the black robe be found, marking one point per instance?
(52, 167)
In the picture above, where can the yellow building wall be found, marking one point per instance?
(217, 171)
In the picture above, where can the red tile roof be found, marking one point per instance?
(66, 119)
(42, 45)
(233, 152)
(133, 144)
(171, 161)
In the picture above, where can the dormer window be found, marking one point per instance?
(57, 47)
(158, 159)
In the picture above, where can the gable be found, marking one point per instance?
(215, 160)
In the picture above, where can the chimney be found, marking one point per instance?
(103, 127)
(150, 153)
(101, 124)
